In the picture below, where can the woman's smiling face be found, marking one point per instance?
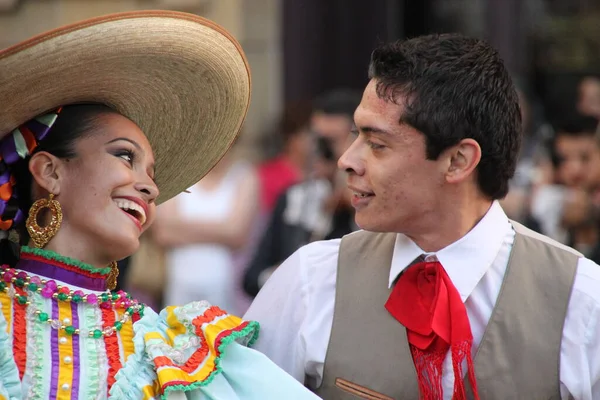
(106, 190)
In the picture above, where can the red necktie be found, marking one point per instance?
(426, 302)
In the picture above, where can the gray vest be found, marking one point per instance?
(518, 358)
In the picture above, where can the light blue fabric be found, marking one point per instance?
(250, 375)
(10, 383)
(138, 370)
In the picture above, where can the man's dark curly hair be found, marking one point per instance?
(455, 87)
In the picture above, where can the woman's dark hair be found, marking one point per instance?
(73, 123)
(455, 88)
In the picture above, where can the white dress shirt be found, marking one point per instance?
(295, 307)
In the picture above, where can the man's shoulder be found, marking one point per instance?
(334, 244)
(328, 250)
(320, 249)
(313, 266)
(523, 230)
(582, 321)
(587, 280)
(586, 286)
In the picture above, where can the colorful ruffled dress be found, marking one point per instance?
(68, 338)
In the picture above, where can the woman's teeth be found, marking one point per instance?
(129, 206)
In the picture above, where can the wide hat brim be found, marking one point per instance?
(182, 79)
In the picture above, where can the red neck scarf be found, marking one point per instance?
(426, 302)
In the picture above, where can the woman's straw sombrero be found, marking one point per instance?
(183, 79)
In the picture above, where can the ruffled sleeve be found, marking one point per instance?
(10, 383)
(200, 350)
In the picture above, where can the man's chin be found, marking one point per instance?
(367, 223)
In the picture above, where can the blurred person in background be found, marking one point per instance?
(575, 153)
(319, 207)
(288, 166)
(333, 118)
(299, 218)
(577, 157)
(589, 97)
(533, 164)
(576, 164)
(287, 150)
(201, 231)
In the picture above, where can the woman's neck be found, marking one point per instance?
(52, 265)
(77, 250)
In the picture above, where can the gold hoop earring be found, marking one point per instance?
(111, 280)
(41, 235)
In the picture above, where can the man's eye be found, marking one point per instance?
(375, 146)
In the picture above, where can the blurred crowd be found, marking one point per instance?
(556, 188)
(222, 239)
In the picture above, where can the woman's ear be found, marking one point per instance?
(45, 169)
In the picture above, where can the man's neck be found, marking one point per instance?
(449, 224)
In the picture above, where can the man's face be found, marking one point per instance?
(394, 185)
(579, 161)
(335, 128)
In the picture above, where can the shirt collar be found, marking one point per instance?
(466, 260)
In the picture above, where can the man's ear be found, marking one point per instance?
(45, 169)
(464, 158)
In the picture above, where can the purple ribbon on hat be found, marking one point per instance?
(15, 147)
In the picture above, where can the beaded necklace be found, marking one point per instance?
(49, 289)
